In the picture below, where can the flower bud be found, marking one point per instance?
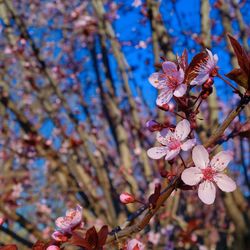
(208, 83)
(153, 126)
(127, 198)
(164, 107)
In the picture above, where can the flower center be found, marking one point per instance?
(172, 82)
(173, 144)
(208, 173)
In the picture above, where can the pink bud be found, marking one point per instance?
(153, 125)
(53, 247)
(126, 198)
(1, 221)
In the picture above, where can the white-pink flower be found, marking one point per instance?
(135, 245)
(207, 173)
(71, 220)
(172, 143)
(206, 69)
(169, 82)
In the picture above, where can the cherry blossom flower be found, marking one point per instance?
(169, 82)
(207, 173)
(205, 70)
(172, 143)
(71, 220)
(126, 198)
(135, 245)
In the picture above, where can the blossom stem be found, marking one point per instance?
(183, 161)
(179, 115)
(197, 99)
(198, 105)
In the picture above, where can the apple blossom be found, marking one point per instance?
(71, 220)
(205, 70)
(207, 173)
(170, 82)
(172, 143)
(135, 245)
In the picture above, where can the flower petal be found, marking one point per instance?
(201, 78)
(164, 136)
(221, 160)
(172, 154)
(157, 152)
(188, 144)
(164, 97)
(191, 176)
(200, 156)
(180, 90)
(169, 67)
(206, 192)
(182, 130)
(224, 182)
(157, 80)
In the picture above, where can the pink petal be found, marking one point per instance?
(191, 176)
(224, 182)
(200, 156)
(182, 130)
(157, 152)
(200, 79)
(63, 223)
(164, 97)
(169, 67)
(157, 81)
(221, 160)
(206, 192)
(180, 90)
(188, 144)
(164, 136)
(172, 154)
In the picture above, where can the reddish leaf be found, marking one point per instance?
(154, 197)
(9, 247)
(92, 237)
(239, 76)
(241, 55)
(39, 245)
(102, 235)
(77, 240)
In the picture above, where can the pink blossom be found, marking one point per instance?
(126, 198)
(206, 69)
(207, 173)
(172, 143)
(154, 237)
(71, 220)
(53, 247)
(170, 82)
(1, 221)
(135, 245)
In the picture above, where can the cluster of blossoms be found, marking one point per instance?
(173, 82)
